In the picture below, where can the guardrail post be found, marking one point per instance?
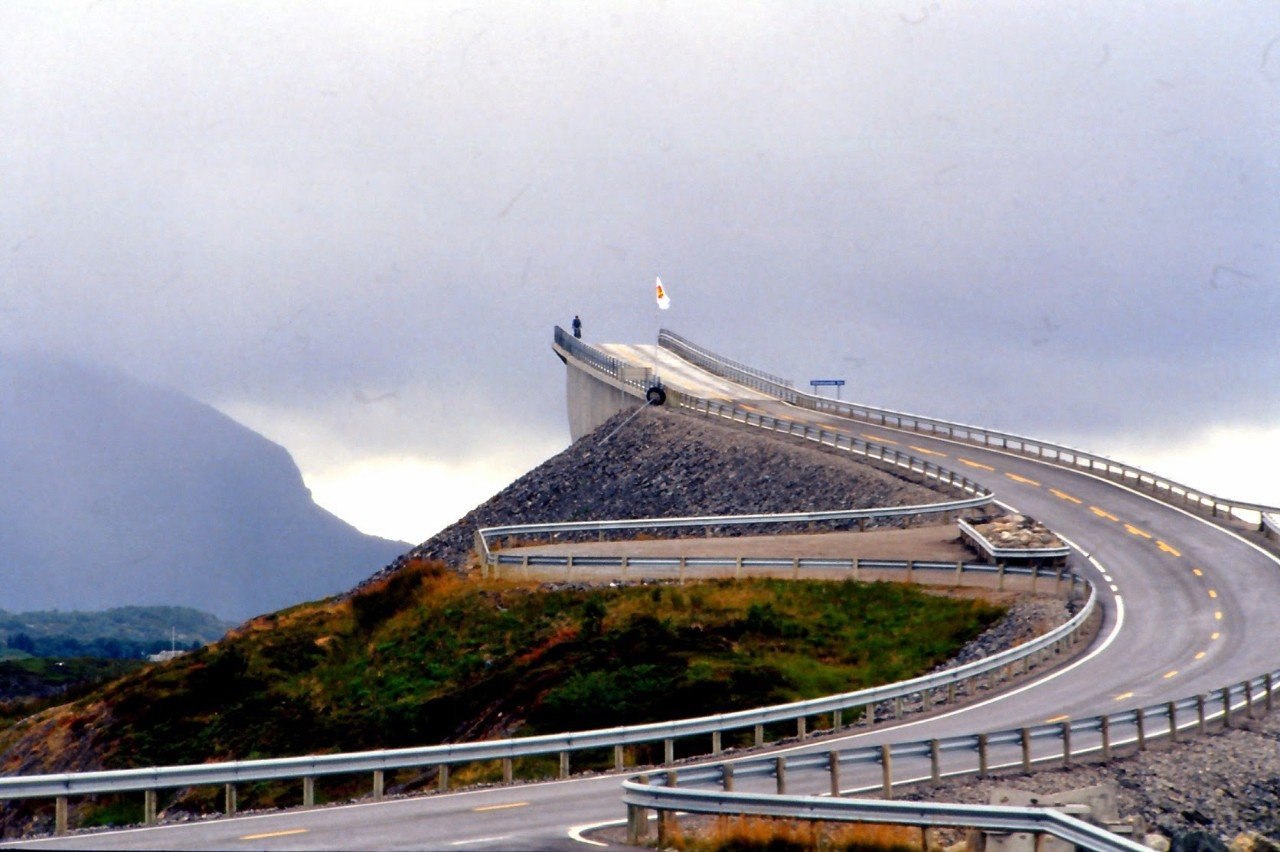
(726, 777)
(982, 755)
(1025, 737)
(508, 770)
(935, 761)
(1267, 681)
(1106, 739)
(668, 752)
(1057, 582)
(951, 692)
(780, 771)
(911, 567)
(682, 567)
(715, 744)
(564, 764)
(1226, 707)
(959, 574)
(1173, 721)
(626, 563)
(442, 778)
(1140, 720)
(833, 764)
(568, 568)
(886, 771)
(837, 716)
(1066, 744)
(857, 564)
(1000, 576)
(229, 800)
(664, 816)
(801, 728)
(637, 818)
(148, 807)
(897, 707)
(759, 735)
(1200, 714)
(795, 568)
(737, 568)
(1248, 698)
(60, 815)
(309, 791)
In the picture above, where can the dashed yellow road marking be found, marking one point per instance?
(1217, 615)
(1212, 593)
(1173, 673)
(288, 833)
(1062, 495)
(1168, 549)
(1202, 655)
(502, 807)
(1122, 696)
(1022, 479)
(1215, 636)
(1103, 513)
(878, 439)
(1197, 572)
(926, 451)
(978, 465)
(1064, 717)
(1138, 532)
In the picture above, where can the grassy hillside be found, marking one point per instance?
(426, 657)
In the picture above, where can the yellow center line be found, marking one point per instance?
(1215, 636)
(288, 833)
(1173, 673)
(1217, 615)
(1167, 549)
(1197, 572)
(879, 439)
(1202, 655)
(1062, 495)
(1061, 718)
(978, 465)
(502, 807)
(1023, 479)
(1135, 531)
(926, 451)
(1122, 696)
(1102, 513)
(1212, 593)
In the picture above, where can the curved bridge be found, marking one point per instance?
(1186, 583)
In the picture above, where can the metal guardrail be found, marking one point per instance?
(977, 754)
(1271, 526)
(1160, 487)
(487, 534)
(640, 797)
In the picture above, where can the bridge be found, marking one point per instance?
(1183, 585)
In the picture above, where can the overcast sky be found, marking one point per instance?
(353, 226)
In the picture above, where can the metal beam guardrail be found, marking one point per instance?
(1162, 488)
(485, 535)
(641, 797)
(972, 754)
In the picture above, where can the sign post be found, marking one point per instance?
(827, 383)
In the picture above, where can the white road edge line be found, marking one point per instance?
(575, 833)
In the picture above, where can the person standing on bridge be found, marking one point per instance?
(577, 327)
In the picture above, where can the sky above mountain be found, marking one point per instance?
(353, 226)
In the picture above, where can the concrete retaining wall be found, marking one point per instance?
(592, 400)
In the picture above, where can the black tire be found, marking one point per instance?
(656, 396)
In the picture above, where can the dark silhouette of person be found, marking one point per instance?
(577, 327)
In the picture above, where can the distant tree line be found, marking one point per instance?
(102, 647)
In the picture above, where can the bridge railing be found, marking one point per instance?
(1162, 488)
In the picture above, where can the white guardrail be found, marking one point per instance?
(1164, 489)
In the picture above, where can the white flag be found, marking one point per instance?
(664, 301)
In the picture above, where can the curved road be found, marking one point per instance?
(1188, 608)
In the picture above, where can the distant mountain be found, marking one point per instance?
(116, 493)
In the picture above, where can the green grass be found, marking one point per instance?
(427, 657)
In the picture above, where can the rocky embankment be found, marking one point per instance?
(665, 465)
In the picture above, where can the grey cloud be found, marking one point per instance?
(317, 205)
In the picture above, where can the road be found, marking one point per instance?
(1188, 608)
